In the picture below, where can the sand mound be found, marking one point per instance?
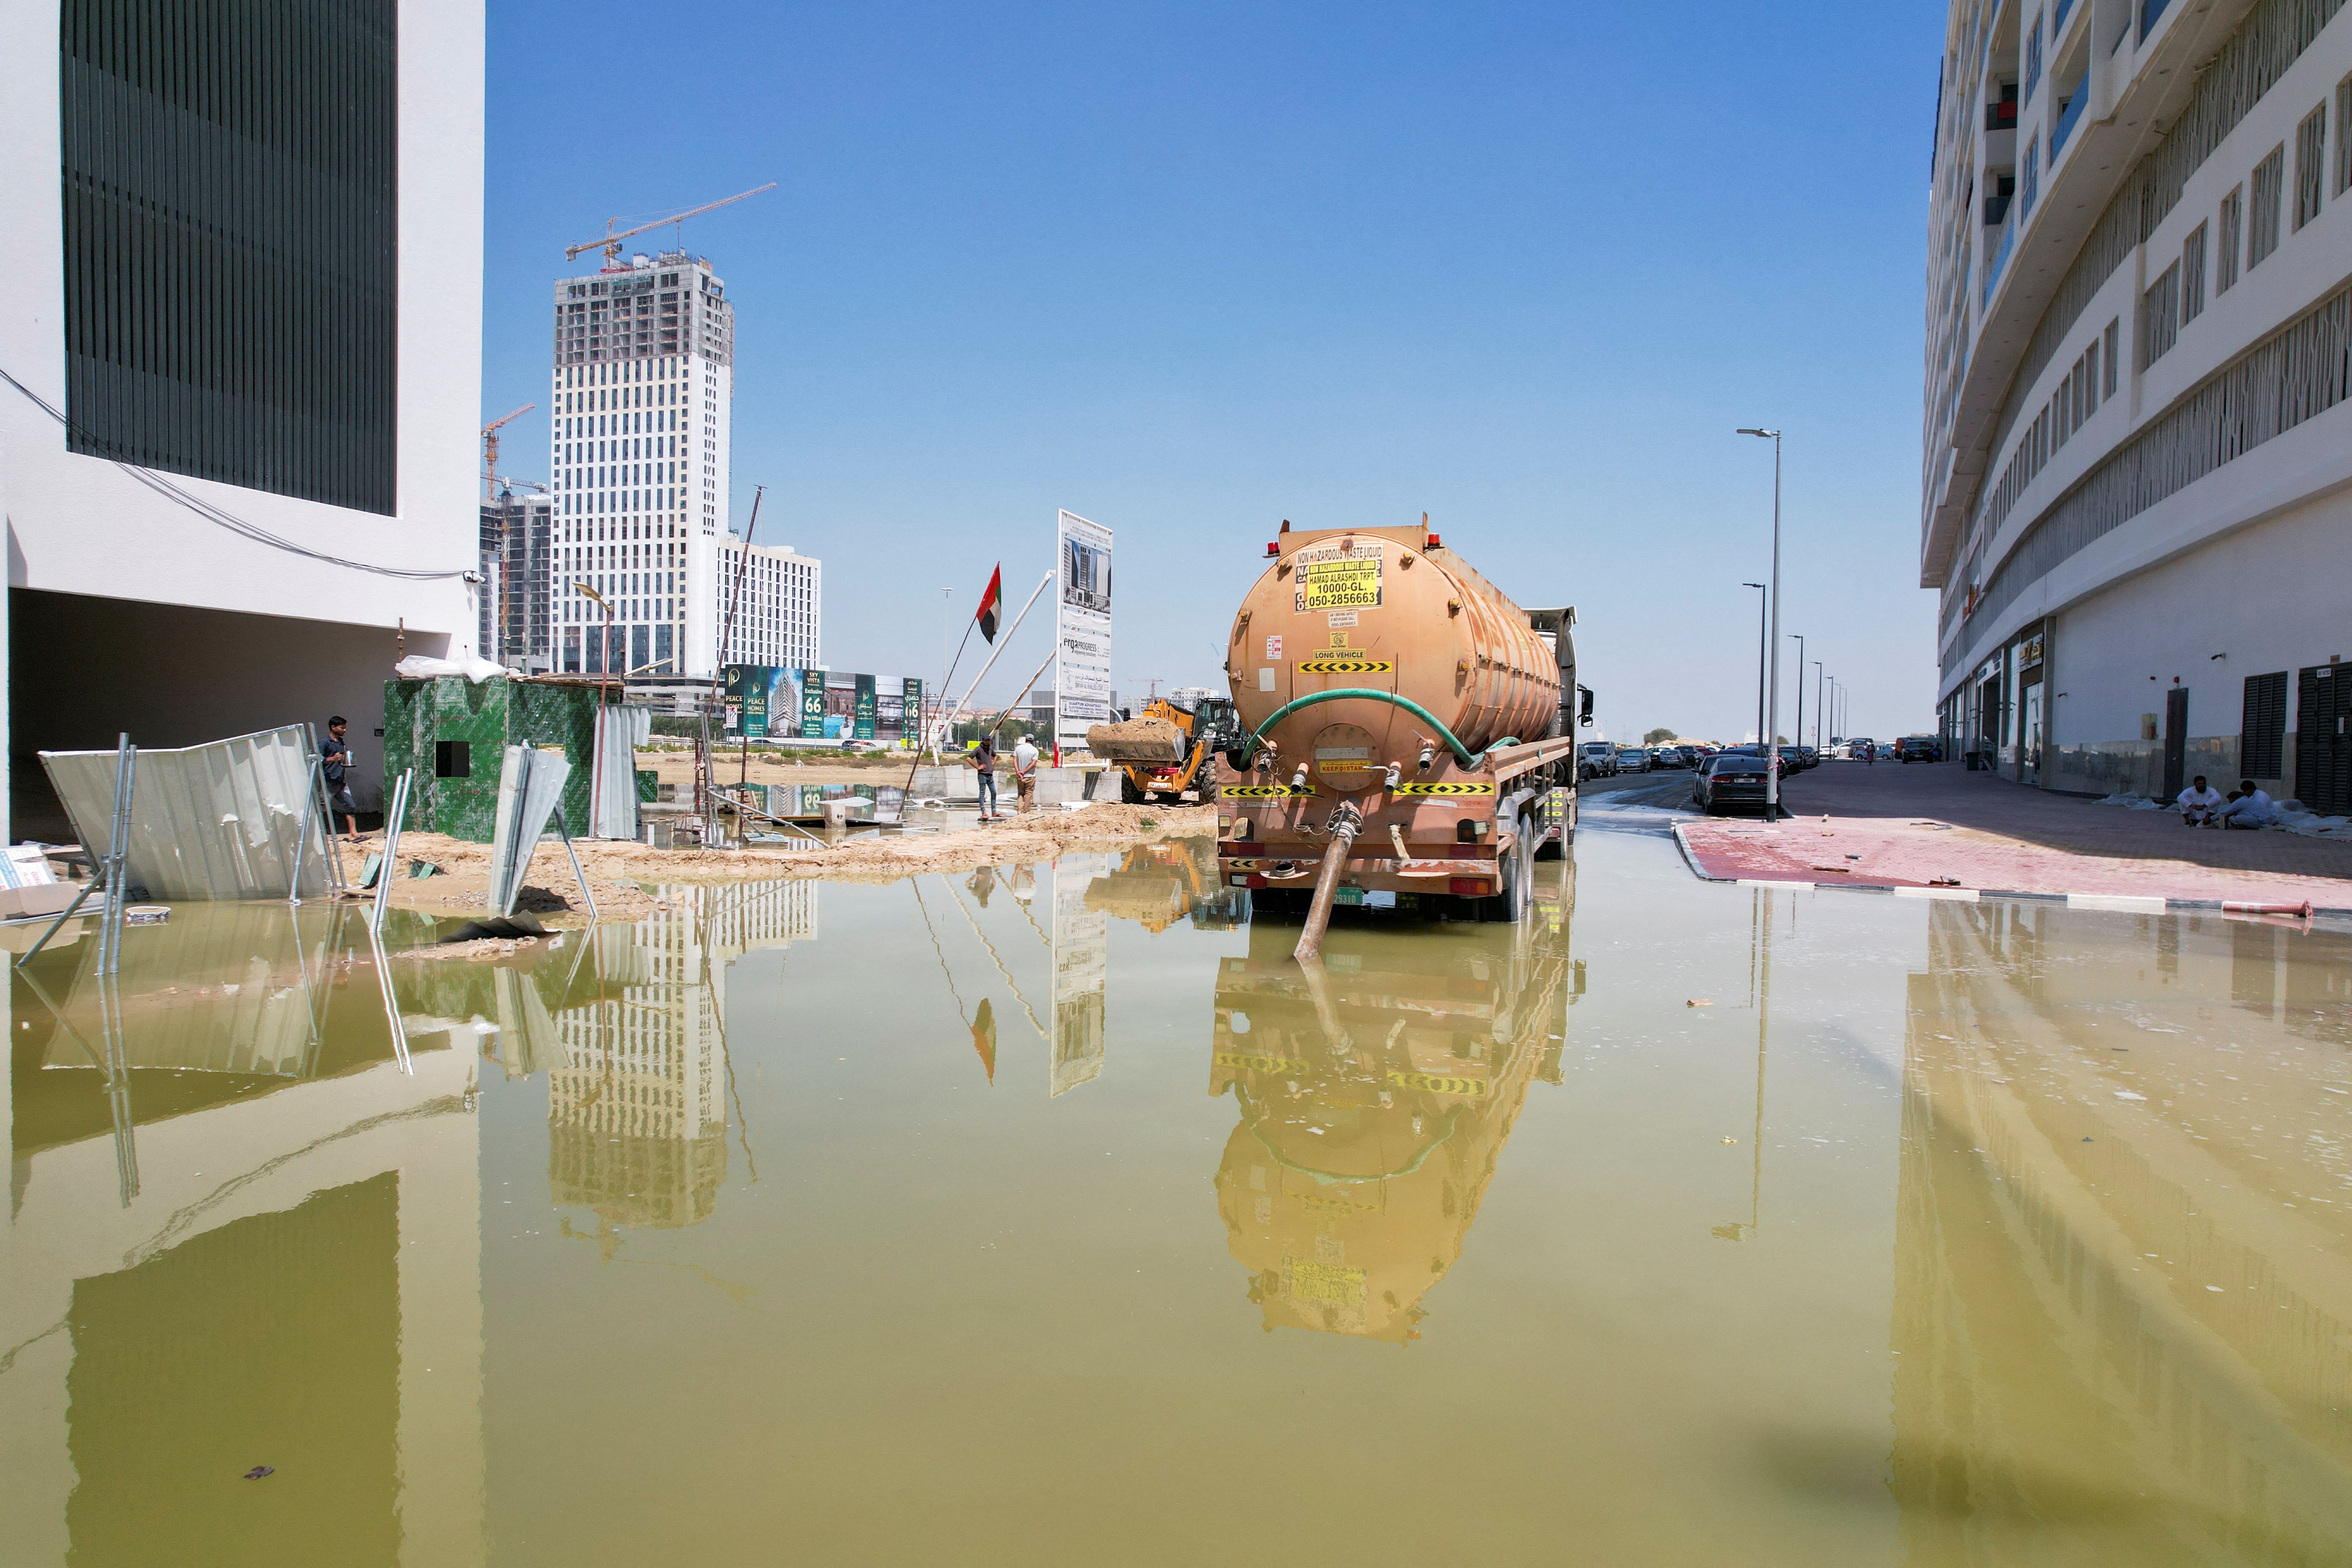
(1138, 741)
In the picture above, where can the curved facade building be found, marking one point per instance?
(2137, 496)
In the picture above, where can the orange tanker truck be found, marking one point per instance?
(1410, 733)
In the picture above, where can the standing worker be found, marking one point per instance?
(1024, 776)
(983, 763)
(335, 761)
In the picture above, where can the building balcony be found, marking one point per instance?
(2069, 112)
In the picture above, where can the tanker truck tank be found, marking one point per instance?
(1390, 693)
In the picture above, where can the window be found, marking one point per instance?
(2033, 56)
(2192, 276)
(2310, 153)
(2090, 379)
(2262, 214)
(2233, 214)
(2343, 143)
(453, 759)
(2113, 345)
(2159, 317)
(230, 255)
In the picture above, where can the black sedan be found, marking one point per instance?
(1728, 780)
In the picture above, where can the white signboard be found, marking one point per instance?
(1081, 631)
(1081, 960)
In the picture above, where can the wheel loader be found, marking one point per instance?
(1169, 747)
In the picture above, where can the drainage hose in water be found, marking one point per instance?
(1346, 823)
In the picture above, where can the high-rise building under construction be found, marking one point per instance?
(648, 578)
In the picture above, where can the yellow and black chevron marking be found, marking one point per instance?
(1345, 667)
(1456, 788)
(1260, 792)
(1262, 1064)
(1473, 1087)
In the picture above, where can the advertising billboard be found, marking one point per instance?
(1081, 630)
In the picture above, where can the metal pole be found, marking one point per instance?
(1800, 638)
(396, 815)
(1760, 605)
(1817, 698)
(1772, 747)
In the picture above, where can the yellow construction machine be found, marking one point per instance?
(1169, 747)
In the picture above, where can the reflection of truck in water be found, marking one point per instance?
(1375, 1093)
(1410, 733)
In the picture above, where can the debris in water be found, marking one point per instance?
(1700, 1002)
(1731, 1139)
(258, 1472)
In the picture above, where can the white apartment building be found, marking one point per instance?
(518, 547)
(2137, 481)
(774, 598)
(640, 454)
(242, 355)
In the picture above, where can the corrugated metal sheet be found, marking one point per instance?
(221, 820)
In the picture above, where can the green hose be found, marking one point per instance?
(1249, 746)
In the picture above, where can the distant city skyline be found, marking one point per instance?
(1191, 273)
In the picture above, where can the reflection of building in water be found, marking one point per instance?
(294, 1280)
(636, 1106)
(1376, 1091)
(2124, 1272)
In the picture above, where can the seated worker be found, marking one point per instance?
(2199, 802)
(2249, 807)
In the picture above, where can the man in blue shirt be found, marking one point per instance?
(335, 761)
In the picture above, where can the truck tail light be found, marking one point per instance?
(1475, 887)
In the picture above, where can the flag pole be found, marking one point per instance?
(1000, 646)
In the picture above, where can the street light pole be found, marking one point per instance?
(1762, 606)
(1800, 639)
(1772, 743)
(1818, 674)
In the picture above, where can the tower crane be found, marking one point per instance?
(491, 450)
(611, 243)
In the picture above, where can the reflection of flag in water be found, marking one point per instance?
(983, 1037)
(990, 603)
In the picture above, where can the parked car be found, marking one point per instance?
(1680, 756)
(1920, 748)
(1633, 760)
(1732, 778)
(1808, 757)
(1856, 744)
(1596, 759)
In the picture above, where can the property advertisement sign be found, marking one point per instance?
(812, 703)
(763, 701)
(1081, 631)
(861, 713)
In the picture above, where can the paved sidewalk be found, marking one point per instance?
(1924, 824)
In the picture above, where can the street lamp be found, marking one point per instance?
(1818, 675)
(1798, 637)
(1771, 744)
(1762, 606)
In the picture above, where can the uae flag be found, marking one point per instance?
(983, 1037)
(990, 603)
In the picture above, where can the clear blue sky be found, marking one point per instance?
(1192, 270)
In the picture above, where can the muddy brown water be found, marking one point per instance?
(1049, 1214)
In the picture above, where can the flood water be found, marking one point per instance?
(1050, 1215)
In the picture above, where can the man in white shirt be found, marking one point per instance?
(1024, 776)
(2199, 803)
(2249, 807)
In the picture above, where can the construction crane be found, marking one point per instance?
(491, 450)
(611, 243)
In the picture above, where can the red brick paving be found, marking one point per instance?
(1892, 825)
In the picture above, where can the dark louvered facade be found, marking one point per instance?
(231, 227)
